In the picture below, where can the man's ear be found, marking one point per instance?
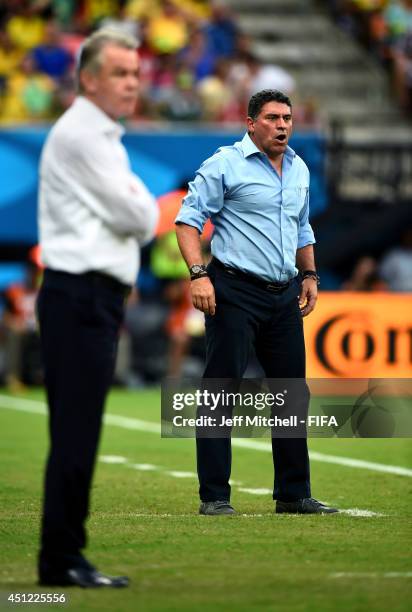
(250, 125)
(88, 81)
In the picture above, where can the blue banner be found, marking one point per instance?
(164, 160)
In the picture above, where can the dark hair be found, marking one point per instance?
(260, 98)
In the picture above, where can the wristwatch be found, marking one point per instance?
(197, 271)
(311, 274)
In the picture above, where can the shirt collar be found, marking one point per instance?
(93, 114)
(249, 148)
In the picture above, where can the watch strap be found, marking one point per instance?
(197, 271)
(311, 274)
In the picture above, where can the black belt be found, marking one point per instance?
(58, 278)
(251, 278)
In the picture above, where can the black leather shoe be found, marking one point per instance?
(215, 508)
(82, 577)
(303, 506)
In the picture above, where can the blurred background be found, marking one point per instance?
(346, 64)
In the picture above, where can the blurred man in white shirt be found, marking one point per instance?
(94, 214)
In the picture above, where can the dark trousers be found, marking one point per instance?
(79, 318)
(249, 317)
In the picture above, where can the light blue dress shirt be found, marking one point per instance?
(260, 218)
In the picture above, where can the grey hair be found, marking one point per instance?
(90, 54)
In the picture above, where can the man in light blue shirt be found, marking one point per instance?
(260, 215)
(260, 283)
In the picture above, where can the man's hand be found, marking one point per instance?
(308, 296)
(203, 295)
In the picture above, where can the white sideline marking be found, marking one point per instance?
(24, 405)
(144, 467)
(166, 515)
(359, 512)
(39, 407)
(315, 456)
(178, 474)
(360, 463)
(371, 575)
(255, 491)
(112, 459)
(120, 515)
(123, 515)
(131, 423)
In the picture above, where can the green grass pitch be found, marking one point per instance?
(144, 523)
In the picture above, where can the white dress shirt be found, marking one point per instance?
(94, 213)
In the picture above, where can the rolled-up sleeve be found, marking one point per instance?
(305, 235)
(205, 196)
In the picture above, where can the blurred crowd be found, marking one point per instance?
(195, 63)
(393, 272)
(385, 28)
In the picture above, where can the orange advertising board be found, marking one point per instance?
(360, 335)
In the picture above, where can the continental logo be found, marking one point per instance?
(360, 335)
